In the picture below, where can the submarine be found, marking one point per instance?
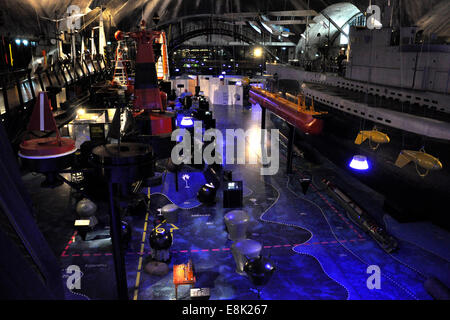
(370, 98)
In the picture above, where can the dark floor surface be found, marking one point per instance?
(318, 252)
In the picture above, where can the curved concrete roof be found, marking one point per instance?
(21, 17)
(317, 34)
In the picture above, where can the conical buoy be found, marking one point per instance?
(46, 155)
(42, 148)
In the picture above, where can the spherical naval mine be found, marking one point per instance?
(259, 270)
(207, 193)
(160, 238)
(86, 208)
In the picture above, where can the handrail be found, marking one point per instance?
(18, 87)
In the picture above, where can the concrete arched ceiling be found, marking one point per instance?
(317, 34)
(437, 21)
(21, 17)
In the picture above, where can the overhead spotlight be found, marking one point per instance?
(25, 42)
(257, 52)
(359, 162)
(18, 42)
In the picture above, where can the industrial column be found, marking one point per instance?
(263, 118)
(290, 146)
(119, 262)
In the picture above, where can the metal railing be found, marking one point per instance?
(21, 86)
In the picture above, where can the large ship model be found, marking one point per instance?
(386, 92)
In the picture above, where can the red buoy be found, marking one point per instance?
(45, 148)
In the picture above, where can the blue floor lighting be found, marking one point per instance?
(359, 162)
